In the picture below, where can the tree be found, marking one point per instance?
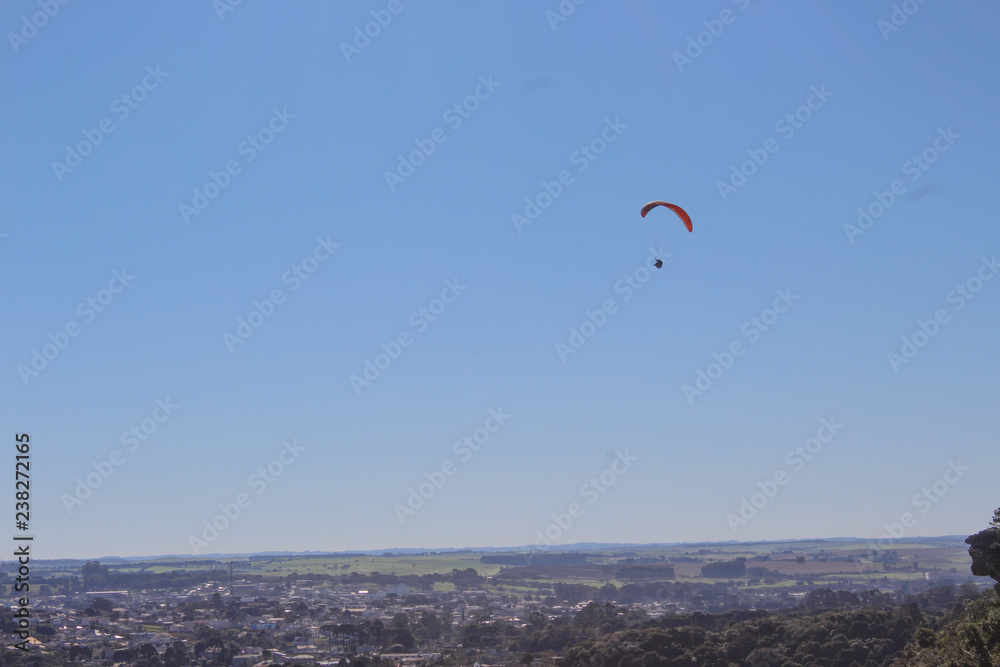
(102, 604)
(996, 518)
(725, 569)
(176, 655)
(430, 625)
(536, 621)
(123, 655)
(94, 574)
(147, 651)
(402, 636)
(78, 651)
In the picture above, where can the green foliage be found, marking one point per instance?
(552, 637)
(93, 570)
(429, 627)
(824, 598)
(97, 576)
(725, 570)
(866, 636)
(970, 637)
(645, 572)
(995, 522)
(102, 604)
(574, 593)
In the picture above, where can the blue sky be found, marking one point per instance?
(659, 117)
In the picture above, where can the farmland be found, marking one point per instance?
(779, 565)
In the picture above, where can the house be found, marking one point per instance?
(246, 659)
(401, 589)
(114, 596)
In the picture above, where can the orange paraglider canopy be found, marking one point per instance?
(681, 213)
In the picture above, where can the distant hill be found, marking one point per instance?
(949, 540)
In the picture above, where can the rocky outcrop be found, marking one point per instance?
(984, 549)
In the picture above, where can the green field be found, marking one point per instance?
(823, 562)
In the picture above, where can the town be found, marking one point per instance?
(447, 608)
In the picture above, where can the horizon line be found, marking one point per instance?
(575, 546)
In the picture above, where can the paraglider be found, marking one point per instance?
(681, 213)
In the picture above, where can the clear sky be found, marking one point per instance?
(168, 169)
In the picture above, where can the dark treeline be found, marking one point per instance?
(536, 559)
(645, 572)
(95, 576)
(832, 629)
(828, 629)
